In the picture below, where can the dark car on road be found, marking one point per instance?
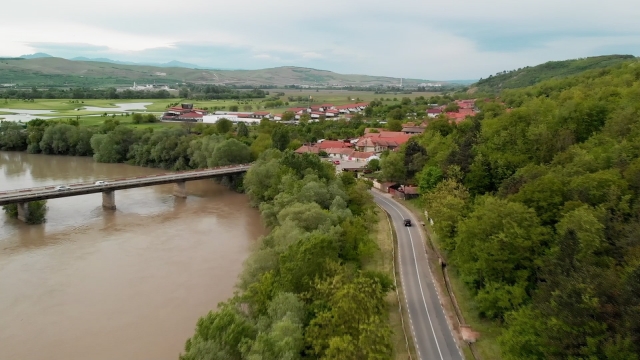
(407, 222)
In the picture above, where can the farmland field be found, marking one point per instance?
(66, 107)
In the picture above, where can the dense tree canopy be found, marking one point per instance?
(303, 292)
(538, 211)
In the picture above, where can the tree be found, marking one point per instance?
(280, 138)
(243, 131)
(393, 167)
(288, 116)
(37, 211)
(452, 107)
(498, 248)
(233, 108)
(137, 118)
(429, 178)
(394, 125)
(373, 165)
(415, 156)
(305, 118)
(230, 152)
(224, 125)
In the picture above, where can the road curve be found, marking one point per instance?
(431, 333)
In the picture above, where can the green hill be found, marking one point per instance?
(62, 72)
(528, 76)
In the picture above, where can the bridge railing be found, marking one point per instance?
(178, 173)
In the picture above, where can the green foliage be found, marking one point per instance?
(373, 165)
(37, 211)
(11, 210)
(538, 209)
(393, 168)
(224, 126)
(528, 76)
(429, 178)
(12, 136)
(302, 293)
(394, 125)
(243, 130)
(280, 138)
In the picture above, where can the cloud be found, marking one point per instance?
(406, 38)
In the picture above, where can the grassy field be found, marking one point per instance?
(383, 261)
(64, 104)
(66, 107)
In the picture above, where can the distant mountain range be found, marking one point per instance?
(44, 70)
(173, 63)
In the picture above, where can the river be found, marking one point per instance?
(128, 284)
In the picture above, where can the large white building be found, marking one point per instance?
(212, 119)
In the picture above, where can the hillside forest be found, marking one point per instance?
(537, 210)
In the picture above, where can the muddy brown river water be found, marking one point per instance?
(128, 284)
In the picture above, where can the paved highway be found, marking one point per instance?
(50, 192)
(431, 333)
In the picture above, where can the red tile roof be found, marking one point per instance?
(191, 115)
(307, 149)
(326, 144)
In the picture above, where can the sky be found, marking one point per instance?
(422, 39)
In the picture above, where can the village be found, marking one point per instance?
(350, 154)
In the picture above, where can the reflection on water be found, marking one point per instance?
(128, 284)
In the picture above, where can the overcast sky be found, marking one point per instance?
(434, 40)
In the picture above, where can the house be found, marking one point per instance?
(379, 142)
(316, 114)
(298, 111)
(433, 113)
(262, 114)
(308, 149)
(326, 146)
(466, 104)
(413, 129)
(404, 192)
(456, 117)
(184, 112)
(277, 117)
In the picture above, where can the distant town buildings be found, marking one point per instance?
(148, 87)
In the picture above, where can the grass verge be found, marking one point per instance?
(383, 260)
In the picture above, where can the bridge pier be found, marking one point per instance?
(109, 200)
(23, 211)
(180, 189)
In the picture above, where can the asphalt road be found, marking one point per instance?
(431, 332)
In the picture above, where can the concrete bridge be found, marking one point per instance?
(22, 197)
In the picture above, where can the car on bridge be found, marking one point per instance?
(101, 182)
(62, 188)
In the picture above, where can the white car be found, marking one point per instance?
(62, 188)
(100, 182)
